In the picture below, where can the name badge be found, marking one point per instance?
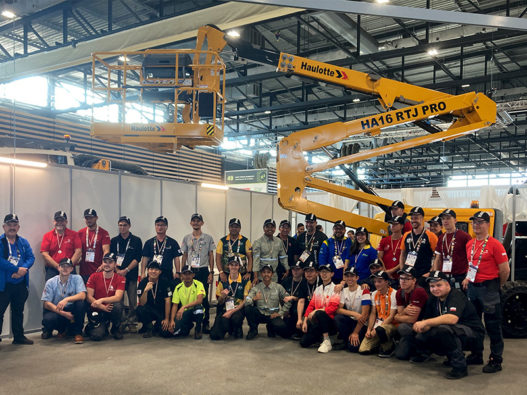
(471, 274)
(447, 265)
(195, 262)
(229, 304)
(158, 258)
(120, 259)
(411, 258)
(304, 256)
(90, 255)
(337, 261)
(14, 260)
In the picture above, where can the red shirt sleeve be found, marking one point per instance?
(105, 238)
(46, 242)
(407, 227)
(91, 281)
(399, 298)
(419, 298)
(439, 245)
(76, 241)
(121, 282)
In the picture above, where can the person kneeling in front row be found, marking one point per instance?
(265, 304)
(319, 317)
(154, 301)
(450, 325)
(231, 296)
(187, 305)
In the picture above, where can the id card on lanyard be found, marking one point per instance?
(473, 268)
(120, 257)
(447, 258)
(337, 259)
(158, 251)
(90, 251)
(14, 260)
(195, 255)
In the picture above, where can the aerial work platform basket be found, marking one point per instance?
(184, 89)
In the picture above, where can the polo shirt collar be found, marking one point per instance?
(238, 280)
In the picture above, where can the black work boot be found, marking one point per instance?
(457, 373)
(493, 366)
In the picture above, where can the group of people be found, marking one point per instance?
(420, 292)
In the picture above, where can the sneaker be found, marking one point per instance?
(386, 354)
(492, 366)
(325, 347)
(78, 339)
(45, 335)
(23, 340)
(252, 334)
(420, 358)
(474, 359)
(455, 374)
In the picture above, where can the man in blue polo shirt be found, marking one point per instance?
(63, 299)
(16, 257)
(335, 250)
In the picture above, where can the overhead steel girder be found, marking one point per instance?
(392, 11)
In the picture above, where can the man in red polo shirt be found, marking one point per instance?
(451, 252)
(58, 244)
(105, 291)
(390, 247)
(488, 270)
(95, 243)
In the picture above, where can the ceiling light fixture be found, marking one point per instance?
(124, 58)
(383, 1)
(233, 33)
(465, 85)
(8, 14)
(267, 112)
(21, 162)
(432, 52)
(214, 186)
(356, 100)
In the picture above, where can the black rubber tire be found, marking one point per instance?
(514, 299)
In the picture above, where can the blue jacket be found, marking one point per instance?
(328, 251)
(7, 269)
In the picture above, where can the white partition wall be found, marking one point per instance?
(38, 193)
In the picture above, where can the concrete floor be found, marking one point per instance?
(262, 366)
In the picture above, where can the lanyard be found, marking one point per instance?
(94, 240)
(358, 255)
(59, 243)
(159, 250)
(418, 241)
(10, 251)
(386, 300)
(450, 249)
(480, 253)
(339, 249)
(307, 243)
(440, 307)
(109, 285)
(235, 289)
(154, 292)
(127, 245)
(199, 245)
(231, 244)
(293, 289)
(397, 245)
(64, 288)
(272, 245)
(266, 300)
(286, 244)
(311, 289)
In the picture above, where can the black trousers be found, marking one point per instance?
(487, 301)
(114, 316)
(291, 319)
(274, 325)
(202, 275)
(223, 325)
(189, 317)
(406, 346)
(450, 340)
(53, 321)
(345, 326)
(146, 314)
(16, 296)
(319, 324)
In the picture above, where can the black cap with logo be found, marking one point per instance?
(109, 257)
(60, 215)
(381, 274)
(397, 220)
(311, 217)
(436, 275)
(11, 218)
(66, 262)
(124, 218)
(448, 212)
(397, 203)
(90, 212)
(436, 219)
(196, 216)
(417, 210)
(340, 223)
(161, 218)
(235, 221)
(481, 215)
(269, 221)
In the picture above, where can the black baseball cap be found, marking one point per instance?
(339, 223)
(361, 229)
(448, 212)
(382, 274)
(285, 222)
(417, 210)
(234, 259)
(327, 267)
(407, 270)
(186, 269)
(310, 264)
(66, 262)
(436, 219)
(397, 203)
(298, 265)
(235, 221)
(311, 217)
(269, 222)
(60, 215)
(124, 218)
(267, 266)
(196, 215)
(161, 218)
(153, 265)
(376, 262)
(481, 215)
(11, 218)
(109, 257)
(397, 220)
(351, 270)
(436, 275)
(90, 212)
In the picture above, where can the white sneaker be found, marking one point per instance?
(325, 346)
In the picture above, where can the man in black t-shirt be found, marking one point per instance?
(164, 250)
(450, 325)
(127, 248)
(310, 241)
(290, 245)
(155, 295)
(296, 287)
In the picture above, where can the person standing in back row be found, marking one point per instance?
(198, 253)
(95, 243)
(488, 271)
(310, 242)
